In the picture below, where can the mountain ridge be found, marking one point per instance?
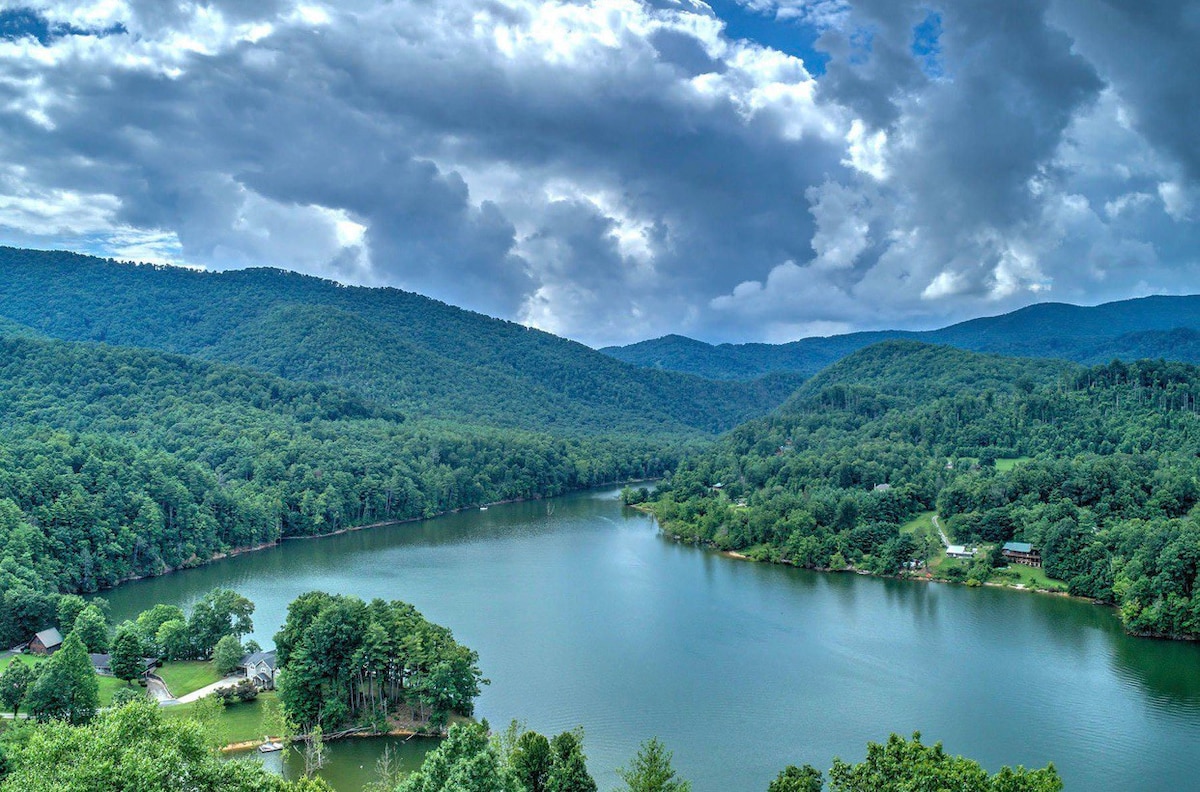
(1140, 327)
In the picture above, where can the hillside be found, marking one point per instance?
(1148, 327)
(1101, 474)
(401, 349)
(119, 462)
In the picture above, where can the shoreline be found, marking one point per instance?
(237, 551)
(248, 745)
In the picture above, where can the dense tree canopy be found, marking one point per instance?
(347, 661)
(1107, 488)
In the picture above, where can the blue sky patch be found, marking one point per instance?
(789, 36)
(16, 23)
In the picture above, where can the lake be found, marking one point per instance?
(583, 615)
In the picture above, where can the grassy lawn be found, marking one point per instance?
(29, 660)
(184, 676)
(921, 524)
(1004, 465)
(1029, 577)
(236, 723)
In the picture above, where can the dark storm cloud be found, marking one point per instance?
(613, 170)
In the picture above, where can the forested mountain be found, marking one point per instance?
(119, 462)
(1108, 490)
(401, 349)
(1149, 327)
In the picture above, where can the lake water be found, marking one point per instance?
(583, 614)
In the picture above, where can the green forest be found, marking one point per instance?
(393, 347)
(1106, 486)
(118, 463)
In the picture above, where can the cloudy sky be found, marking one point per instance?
(613, 170)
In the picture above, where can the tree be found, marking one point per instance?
(220, 612)
(174, 641)
(14, 684)
(464, 762)
(150, 621)
(901, 765)
(69, 608)
(134, 747)
(797, 779)
(568, 771)
(66, 689)
(531, 761)
(227, 655)
(126, 661)
(92, 629)
(314, 751)
(651, 770)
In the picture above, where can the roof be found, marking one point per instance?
(105, 661)
(958, 550)
(254, 658)
(50, 638)
(1018, 547)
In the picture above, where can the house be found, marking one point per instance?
(958, 551)
(882, 487)
(46, 642)
(259, 667)
(1021, 553)
(102, 663)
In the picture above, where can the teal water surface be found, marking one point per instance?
(584, 615)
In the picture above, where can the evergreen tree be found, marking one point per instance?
(66, 689)
(569, 772)
(126, 661)
(531, 761)
(651, 771)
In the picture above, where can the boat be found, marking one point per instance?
(270, 747)
(483, 508)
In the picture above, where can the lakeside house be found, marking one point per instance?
(102, 663)
(259, 668)
(1022, 553)
(959, 551)
(46, 642)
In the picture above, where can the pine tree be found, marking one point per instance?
(651, 771)
(569, 771)
(126, 660)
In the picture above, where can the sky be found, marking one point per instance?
(615, 170)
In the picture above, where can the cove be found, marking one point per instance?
(583, 614)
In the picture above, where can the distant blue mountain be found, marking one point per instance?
(1148, 327)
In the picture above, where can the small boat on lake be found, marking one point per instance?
(270, 747)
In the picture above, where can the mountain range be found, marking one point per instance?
(1147, 327)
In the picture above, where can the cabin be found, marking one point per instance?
(959, 551)
(885, 487)
(46, 642)
(259, 668)
(102, 664)
(1022, 553)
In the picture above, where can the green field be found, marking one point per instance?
(184, 676)
(1029, 577)
(236, 723)
(921, 524)
(1004, 465)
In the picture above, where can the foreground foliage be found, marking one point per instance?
(130, 748)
